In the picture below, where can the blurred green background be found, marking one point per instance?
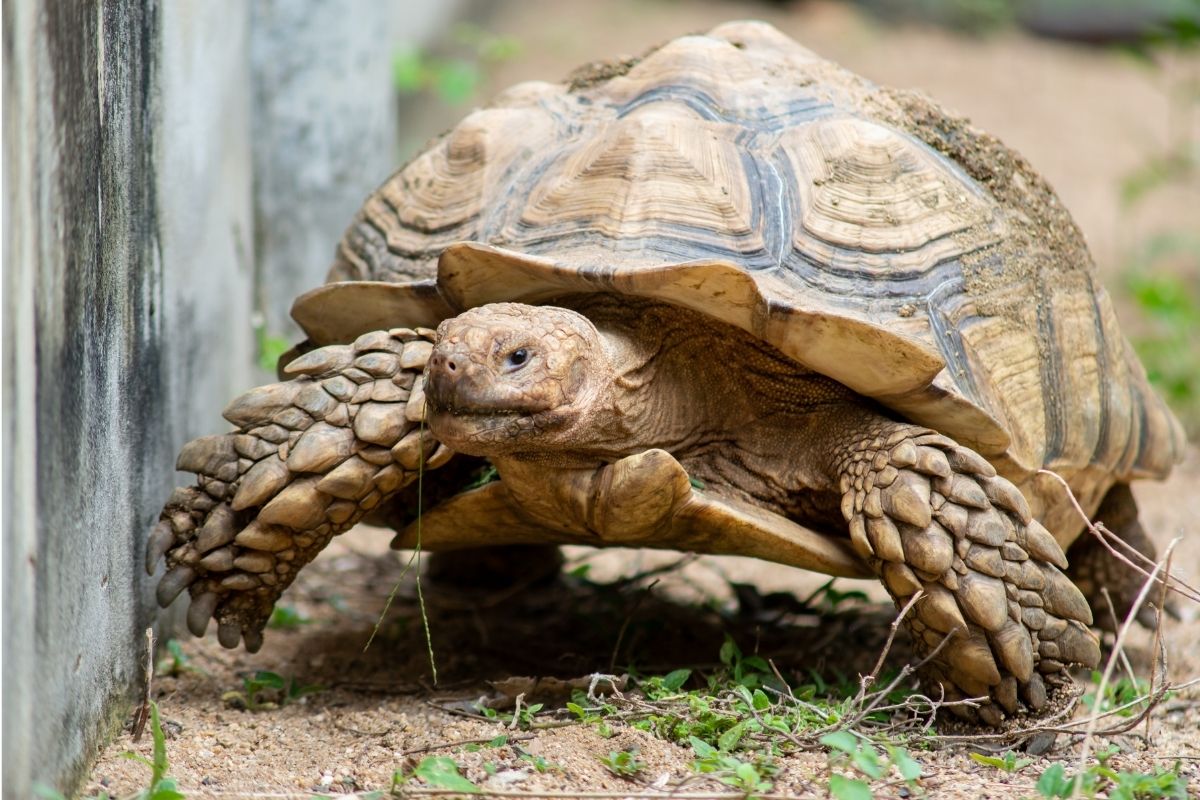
(1102, 96)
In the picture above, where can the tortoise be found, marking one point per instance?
(724, 298)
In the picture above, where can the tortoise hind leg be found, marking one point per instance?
(930, 515)
(310, 458)
(1094, 569)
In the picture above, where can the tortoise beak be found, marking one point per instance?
(454, 380)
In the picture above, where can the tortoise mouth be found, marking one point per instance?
(486, 431)
(455, 402)
(480, 411)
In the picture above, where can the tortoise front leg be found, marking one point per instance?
(310, 458)
(928, 514)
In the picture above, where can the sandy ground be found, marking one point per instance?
(1083, 117)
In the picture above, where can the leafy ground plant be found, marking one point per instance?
(437, 772)
(623, 763)
(1008, 762)
(1124, 696)
(850, 752)
(1170, 348)
(161, 787)
(523, 715)
(286, 618)
(739, 719)
(453, 79)
(266, 690)
(1099, 780)
(176, 662)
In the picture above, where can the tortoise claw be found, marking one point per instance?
(201, 611)
(253, 640)
(229, 633)
(161, 539)
(174, 582)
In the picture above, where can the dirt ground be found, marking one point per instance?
(1083, 117)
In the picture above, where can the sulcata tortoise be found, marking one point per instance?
(725, 298)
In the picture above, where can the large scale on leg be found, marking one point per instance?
(861, 325)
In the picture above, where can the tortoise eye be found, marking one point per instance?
(517, 358)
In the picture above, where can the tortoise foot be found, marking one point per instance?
(310, 458)
(932, 516)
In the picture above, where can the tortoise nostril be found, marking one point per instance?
(450, 365)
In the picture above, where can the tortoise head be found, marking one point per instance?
(510, 378)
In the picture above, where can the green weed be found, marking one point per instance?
(1009, 762)
(266, 690)
(537, 762)
(176, 662)
(751, 775)
(623, 763)
(829, 599)
(286, 618)
(270, 348)
(475, 747)
(1101, 780)
(437, 772)
(524, 715)
(454, 79)
(851, 752)
(1170, 348)
(160, 787)
(1128, 696)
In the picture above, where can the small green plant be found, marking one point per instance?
(592, 716)
(274, 686)
(524, 715)
(176, 662)
(1118, 693)
(749, 671)
(475, 747)
(438, 772)
(848, 751)
(286, 618)
(829, 599)
(1101, 780)
(270, 348)
(1170, 348)
(161, 787)
(750, 776)
(539, 763)
(623, 763)
(456, 79)
(1008, 762)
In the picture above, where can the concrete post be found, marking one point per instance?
(127, 230)
(325, 130)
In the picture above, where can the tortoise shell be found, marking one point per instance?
(862, 231)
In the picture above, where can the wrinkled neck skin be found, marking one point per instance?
(742, 419)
